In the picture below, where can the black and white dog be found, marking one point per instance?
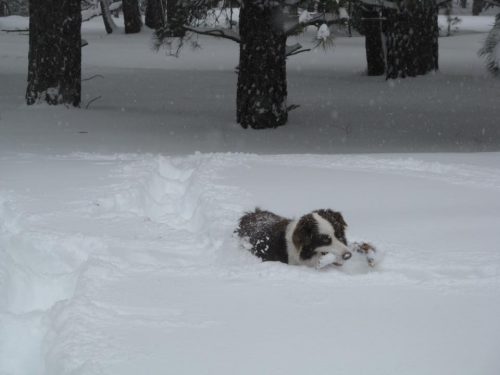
(309, 240)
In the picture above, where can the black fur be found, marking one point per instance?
(338, 222)
(265, 231)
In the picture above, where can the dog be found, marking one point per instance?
(306, 241)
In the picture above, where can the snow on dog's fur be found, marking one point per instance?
(316, 239)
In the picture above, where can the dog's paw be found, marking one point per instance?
(367, 249)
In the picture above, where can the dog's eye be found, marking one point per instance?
(326, 239)
(324, 252)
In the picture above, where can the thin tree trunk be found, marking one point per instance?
(132, 16)
(262, 86)
(4, 9)
(109, 23)
(54, 59)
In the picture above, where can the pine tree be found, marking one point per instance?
(54, 60)
(261, 97)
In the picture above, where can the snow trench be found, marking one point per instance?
(37, 270)
(47, 274)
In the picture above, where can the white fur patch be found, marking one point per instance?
(324, 226)
(293, 253)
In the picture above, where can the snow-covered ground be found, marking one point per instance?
(116, 246)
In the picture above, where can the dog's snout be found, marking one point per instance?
(346, 255)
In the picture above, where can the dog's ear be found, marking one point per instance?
(337, 220)
(303, 233)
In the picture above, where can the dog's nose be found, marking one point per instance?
(346, 255)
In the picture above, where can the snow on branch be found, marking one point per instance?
(380, 3)
(318, 20)
(295, 27)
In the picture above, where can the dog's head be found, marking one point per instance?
(320, 233)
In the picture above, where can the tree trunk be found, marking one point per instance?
(132, 16)
(262, 86)
(412, 39)
(54, 59)
(375, 59)
(4, 9)
(176, 18)
(477, 7)
(155, 13)
(109, 23)
(426, 36)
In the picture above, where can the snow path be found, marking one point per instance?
(120, 264)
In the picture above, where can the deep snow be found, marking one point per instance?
(116, 248)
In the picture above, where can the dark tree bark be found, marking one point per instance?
(426, 36)
(4, 9)
(132, 16)
(54, 59)
(411, 39)
(262, 86)
(477, 7)
(176, 18)
(398, 44)
(372, 28)
(155, 13)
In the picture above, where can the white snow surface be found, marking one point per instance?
(117, 253)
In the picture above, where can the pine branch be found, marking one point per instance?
(15, 30)
(92, 77)
(490, 48)
(230, 34)
(295, 49)
(92, 101)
